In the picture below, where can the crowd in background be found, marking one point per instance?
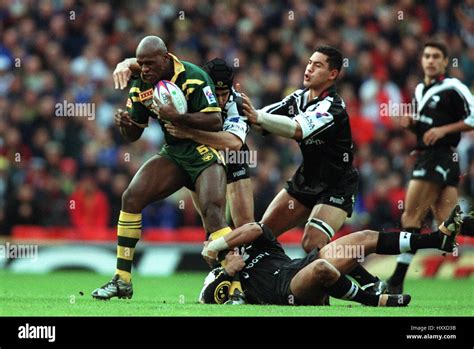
(71, 170)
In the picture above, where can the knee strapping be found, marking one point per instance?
(321, 225)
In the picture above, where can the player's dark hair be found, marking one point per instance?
(220, 72)
(437, 45)
(334, 56)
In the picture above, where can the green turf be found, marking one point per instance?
(58, 294)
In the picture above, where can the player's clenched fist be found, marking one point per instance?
(122, 118)
(234, 263)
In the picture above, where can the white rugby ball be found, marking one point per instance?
(164, 89)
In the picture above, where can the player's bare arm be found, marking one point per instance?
(201, 121)
(128, 128)
(221, 140)
(280, 125)
(123, 71)
(434, 134)
(240, 236)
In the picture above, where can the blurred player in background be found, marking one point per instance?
(445, 108)
(269, 276)
(323, 189)
(179, 163)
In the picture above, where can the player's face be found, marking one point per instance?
(152, 66)
(222, 97)
(433, 62)
(317, 71)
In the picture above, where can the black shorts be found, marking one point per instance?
(438, 165)
(341, 194)
(238, 171)
(286, 274)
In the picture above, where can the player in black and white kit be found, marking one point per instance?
(269, 276)
(324, 186)
(445, 108)
(231, 141)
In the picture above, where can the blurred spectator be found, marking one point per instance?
(88, 206)
(24, 208)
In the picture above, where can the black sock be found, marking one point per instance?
(467, 227)
(399, 274)
(389, 243)
(430, 240)
(362, 276)
(404, 260)
(405, 241)
(344, 288)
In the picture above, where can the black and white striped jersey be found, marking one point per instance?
(234, 119)
(327, 140)
(445, 101)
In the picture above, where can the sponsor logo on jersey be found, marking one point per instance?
(234, 119)
(211, 99)
(146, 95)
(335, 200)
(309, 122)
(314, 141)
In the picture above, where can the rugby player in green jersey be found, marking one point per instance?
(181, 162)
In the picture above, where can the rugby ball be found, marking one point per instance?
(164, 89)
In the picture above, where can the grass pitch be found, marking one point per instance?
(68, 294)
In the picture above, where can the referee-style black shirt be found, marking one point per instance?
(445, 101)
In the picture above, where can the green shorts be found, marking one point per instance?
(192, 158)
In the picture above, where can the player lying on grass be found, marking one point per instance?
(269, 276)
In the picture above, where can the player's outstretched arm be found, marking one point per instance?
(280, 125)
(240, 236)
(221, 140)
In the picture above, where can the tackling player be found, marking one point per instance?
(230, 139)
(269, 276)
(323, 189)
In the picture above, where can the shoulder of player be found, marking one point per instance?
(193, 71)
(455, 84)
(454, 90)
(332, 103)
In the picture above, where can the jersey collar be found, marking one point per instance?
(436, 80)
(178, 67)
(327, 92)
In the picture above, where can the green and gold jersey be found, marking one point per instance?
(196, 85)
